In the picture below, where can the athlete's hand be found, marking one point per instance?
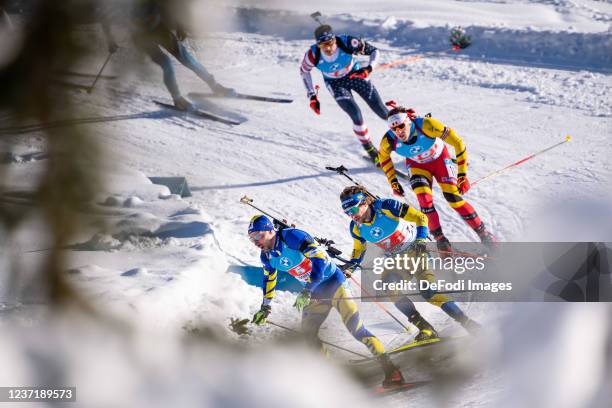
(348, 269)
(315, 105)
(463, 183)
(278, 225)
(260, 317)
(361, 73)
(397, 188)
(302, 300)
(419, 246)
(181, 34)
(112, 47)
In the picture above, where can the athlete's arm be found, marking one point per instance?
(359, 245)
(269, 280)
(435, 128)
(384, 158)
(300, 240)
(305, 68)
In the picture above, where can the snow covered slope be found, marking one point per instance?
(536, 72)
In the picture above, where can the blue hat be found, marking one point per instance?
(353, 200)
(260, 223)
(324, 33)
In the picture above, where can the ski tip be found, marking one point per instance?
(380, 390)
(568, 138)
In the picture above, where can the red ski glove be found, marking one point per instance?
(463, 183)
(315, 105)
(361, 73)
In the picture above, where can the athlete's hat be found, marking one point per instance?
(396, 119)
(260, 223)
(324, 33)
(353, 201)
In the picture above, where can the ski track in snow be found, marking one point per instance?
(515, 91)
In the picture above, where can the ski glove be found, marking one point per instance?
(181, 34)
(397, 188)
(302, 300)
(463, 183)
(419, 246)
(315, 105)
(112, 47)
(348, 269)
(361, 73)
(260, 317)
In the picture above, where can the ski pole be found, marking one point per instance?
(322, 341)
(385, 298)
(531, 156)
(8, 21)
(343, 171)
(110, 54)
(335, 253)
(380, 305)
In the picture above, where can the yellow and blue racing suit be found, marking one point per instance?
(296, 252)
(389, 229)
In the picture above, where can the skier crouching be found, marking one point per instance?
(294, 251)
(388, 224)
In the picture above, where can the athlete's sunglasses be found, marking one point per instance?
(256, 237)
(326, 44)
(401, 126)
(352, 210)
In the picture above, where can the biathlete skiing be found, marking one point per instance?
(422, 141)
(390, 225)
(334, 55)
(157, 32)
(295, 252)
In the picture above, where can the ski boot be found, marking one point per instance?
(220, 90)
(183, 104)
(472, 326)
(393, 375)
(444, 246)
(487, 238)
(426, 330)
(372, 152)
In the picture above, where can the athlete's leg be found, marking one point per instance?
(350, 317)
(421, 183)
(444, 173)
(147, 42)
(340, 90)
(407, 306)
(442, 301)
(313, 317)
(370, 94)
(170, 42)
